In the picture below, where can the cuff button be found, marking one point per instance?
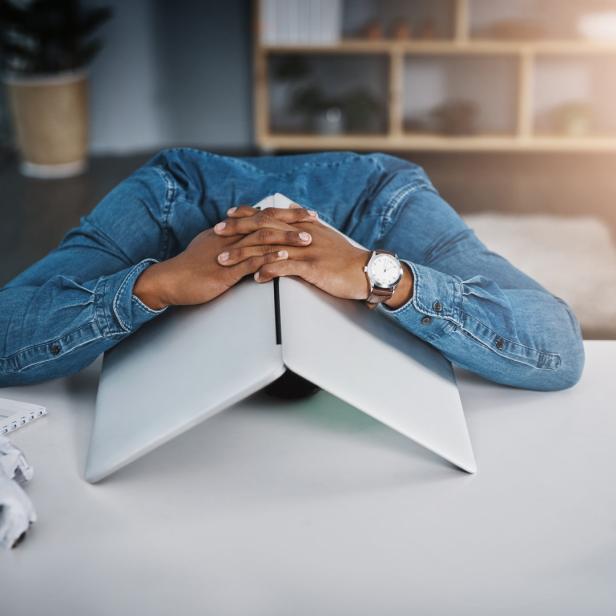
(426, 320)
(55, 348)
(438, 307)
(500, 344)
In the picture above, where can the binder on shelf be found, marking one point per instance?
(14, 414)
(292, 22)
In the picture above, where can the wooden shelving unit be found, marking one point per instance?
(525, 53)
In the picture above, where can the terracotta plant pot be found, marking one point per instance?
(50, 115)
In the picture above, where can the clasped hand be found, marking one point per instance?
(266, 244)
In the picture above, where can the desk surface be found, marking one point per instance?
(266, 509)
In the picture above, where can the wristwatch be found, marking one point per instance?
(384, 273)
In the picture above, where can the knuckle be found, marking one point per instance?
(254, 263)
(292, 237)
(236, 254)
(266, 215)
(266, 271)
(264, 235)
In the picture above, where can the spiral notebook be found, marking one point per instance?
(14, 414)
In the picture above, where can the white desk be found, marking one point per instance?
(263, 510)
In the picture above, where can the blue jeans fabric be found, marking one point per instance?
(474, 306)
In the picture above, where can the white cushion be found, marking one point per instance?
(573, 257)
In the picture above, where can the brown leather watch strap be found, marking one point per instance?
(378, 296)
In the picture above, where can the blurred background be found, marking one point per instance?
(510, 106)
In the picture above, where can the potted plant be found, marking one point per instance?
(45, 47)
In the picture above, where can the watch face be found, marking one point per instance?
(384, 270)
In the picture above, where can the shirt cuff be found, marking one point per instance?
(119, 311)
(434, 305)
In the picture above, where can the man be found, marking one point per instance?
(175, 233)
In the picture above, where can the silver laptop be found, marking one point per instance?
(193, 362)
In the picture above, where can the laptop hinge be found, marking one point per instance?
(277, 311)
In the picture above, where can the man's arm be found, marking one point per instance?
(112, 274)
(471, 304)
(477, 308)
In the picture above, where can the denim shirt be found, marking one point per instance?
(473, 305)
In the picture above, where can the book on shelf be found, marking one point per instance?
(300, 22)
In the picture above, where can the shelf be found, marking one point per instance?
(476, 143)
(520, 97)
(446, 95)
(450, 47)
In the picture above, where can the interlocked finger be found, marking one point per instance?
(284, 267)
(275, 218)
(252, 264)
(233, 256)
(292, 237)
(242, 211)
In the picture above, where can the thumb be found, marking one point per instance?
(282, 268)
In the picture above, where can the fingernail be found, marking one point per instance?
(223, 256)
(220, 226)
(305, 237)
(283, 254)
(232, 210)
(312, 213)
(256, 276)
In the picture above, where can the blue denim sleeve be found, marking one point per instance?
(473, 323)
(58, 315)
(82, 320)
(121, 310)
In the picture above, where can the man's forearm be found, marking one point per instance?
(476, 324)
(61, 326)
(150, 287)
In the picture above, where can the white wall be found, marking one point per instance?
(172, 73)
(125, 114)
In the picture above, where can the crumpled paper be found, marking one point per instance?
(16, 509)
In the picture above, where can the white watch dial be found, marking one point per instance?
(384, 270)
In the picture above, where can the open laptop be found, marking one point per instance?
(193, 362)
